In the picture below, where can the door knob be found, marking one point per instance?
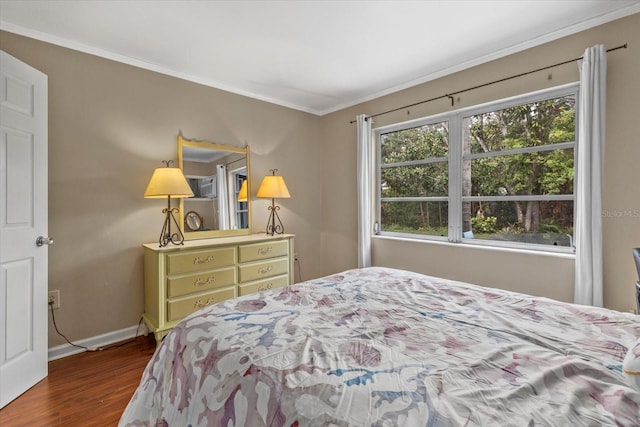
(41, 240)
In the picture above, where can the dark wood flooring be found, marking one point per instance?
(87, 389)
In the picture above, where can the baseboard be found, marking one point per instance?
(98, 341)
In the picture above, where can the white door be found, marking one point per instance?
(23, 218)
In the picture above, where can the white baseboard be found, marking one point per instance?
(98, 341)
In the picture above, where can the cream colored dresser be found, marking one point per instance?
(179, 280)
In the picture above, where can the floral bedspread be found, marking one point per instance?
(383, 347)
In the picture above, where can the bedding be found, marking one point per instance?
(384, 347)
(631, 365)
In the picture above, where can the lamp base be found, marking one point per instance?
(272, 227)
(166, 236)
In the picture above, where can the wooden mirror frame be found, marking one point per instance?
(207, 145)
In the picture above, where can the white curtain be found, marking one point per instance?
(223, 197)
(590, 146)
(364, 170)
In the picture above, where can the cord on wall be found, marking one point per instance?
(53, 318)
(296, 260)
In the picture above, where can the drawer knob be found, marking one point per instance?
(264, 251)
(201, 282)
(203, 303)
(265, 270)
(265, 288)
(198, 260)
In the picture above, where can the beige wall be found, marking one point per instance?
(536, 274)
(110, 125)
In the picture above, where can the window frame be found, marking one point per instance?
(456, 158)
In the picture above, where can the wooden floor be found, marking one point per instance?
(88, 389)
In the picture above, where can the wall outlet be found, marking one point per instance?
(54, 298)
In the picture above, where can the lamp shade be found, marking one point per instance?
(168, 182)
(242, 194)
(273, 187)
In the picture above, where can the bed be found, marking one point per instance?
(385, 347)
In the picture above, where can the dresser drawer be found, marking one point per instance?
(179, 308)
(200, 281)
(264, 269)
(264, 285)
(200, 260)
(263, 250)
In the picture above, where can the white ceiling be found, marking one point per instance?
(314, 56)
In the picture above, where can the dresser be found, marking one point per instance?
(179, 280)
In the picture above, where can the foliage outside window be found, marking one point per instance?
(499, 174)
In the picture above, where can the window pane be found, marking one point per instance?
(524, 150)
(415, 181)
(428, 218)
(424, 142)
(539, 222)
(541, 173)
(529, 125)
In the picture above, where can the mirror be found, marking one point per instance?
(216, 173)
(192, 221)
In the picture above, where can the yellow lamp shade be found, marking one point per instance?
(273, 187)
(168, 182)
(242, 194)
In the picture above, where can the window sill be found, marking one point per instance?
(480, 246)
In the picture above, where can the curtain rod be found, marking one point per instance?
(450, 95)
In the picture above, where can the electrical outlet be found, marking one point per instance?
(54, 298)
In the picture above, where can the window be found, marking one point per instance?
(499, 174)
(241, 206)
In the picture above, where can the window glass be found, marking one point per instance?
(424, 218)
(415, 144)
(541, 173)
(548, 222)
(532, 124)
(414, 177)
(415, 181)
(505, 176)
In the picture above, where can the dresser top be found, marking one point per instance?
(218, 241)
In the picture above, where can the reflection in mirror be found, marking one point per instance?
(216, 174)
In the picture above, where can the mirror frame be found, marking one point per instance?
(193, 235)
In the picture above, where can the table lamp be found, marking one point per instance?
(242, 194)
(273, 187)
(168, 182)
